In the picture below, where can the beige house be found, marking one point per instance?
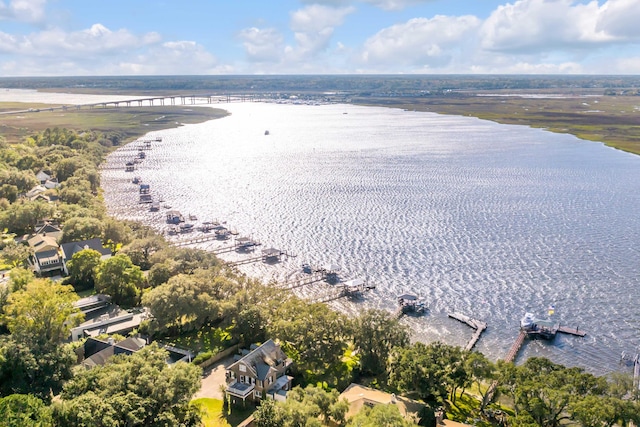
(46, 256)
(360, 396)
(259, 373)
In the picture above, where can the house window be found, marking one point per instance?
(242, 379)
(260, 383)
(243, 368)
(270, 380)
(258, 394)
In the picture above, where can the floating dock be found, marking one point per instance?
(571, 331)
(478, 325)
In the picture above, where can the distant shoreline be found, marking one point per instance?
(612, 120)
(599, 114)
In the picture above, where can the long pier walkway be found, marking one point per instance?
(510, 357)
(193, 241)
(297, 283)
(515, 348)
(478, 325)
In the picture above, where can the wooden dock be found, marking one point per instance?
(269, 256)
(478, 325)
(510, 357)
(297, 283)
(515, 348)
(195, 240)
(571, 331)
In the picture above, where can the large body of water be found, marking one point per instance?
(485, 219)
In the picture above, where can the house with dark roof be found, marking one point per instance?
(97, 352)
(71, 248)
(259, 373)
(48, 228)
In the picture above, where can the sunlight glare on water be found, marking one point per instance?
(485, 219)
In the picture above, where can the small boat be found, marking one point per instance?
(527, 321)
(192, 217)
(306, 268)
(136, 180)
(266, 132)
(155, 207)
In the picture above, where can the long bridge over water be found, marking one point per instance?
(157, 101)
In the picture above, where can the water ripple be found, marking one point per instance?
(481, 218)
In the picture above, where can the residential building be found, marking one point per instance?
(96, 352)
(46, 258)
(259, 373)
(43, 176)
(71, 248)
(360, 396)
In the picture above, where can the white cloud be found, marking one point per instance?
(316, 18)
(23, 10)
(96, 40)
(620, 18)
(420, 42)
(101, 51)
(543, 25)
(313, 27)
(262, 45)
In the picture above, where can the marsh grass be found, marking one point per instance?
(133, 122)
(613, 120)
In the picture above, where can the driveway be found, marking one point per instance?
(212, 378)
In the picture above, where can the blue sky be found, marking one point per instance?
(163, 37)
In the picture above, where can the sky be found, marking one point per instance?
(213, 37)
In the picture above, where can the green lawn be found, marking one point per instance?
(214, 416)
(207, 339)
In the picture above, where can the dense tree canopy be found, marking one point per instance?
(24, 410)
(311, 406)
(425, 371)
(137, 390)
(42, 314)
(548, 394)
(188, 302)
(119, 278)
(82, 267)
(375, 334)
(379, 416)
(314, 335)
(37, 371)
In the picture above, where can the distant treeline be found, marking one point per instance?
(347, 84)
